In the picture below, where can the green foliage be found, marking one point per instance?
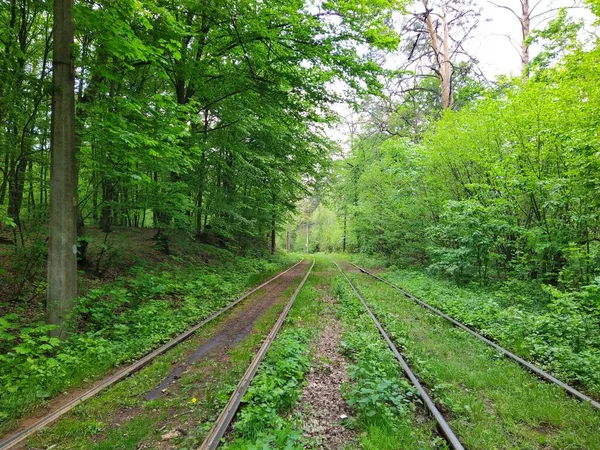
(559, 331)
(505, 187)
(273, 393)
(275, 390)
(489, 401)
(118, 322)
(463, 241)
(559, 38)
(381, 398)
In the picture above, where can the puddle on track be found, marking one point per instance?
(233, 329)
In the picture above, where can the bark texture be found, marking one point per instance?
(62, 251)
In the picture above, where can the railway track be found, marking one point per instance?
(443, 425)
(16, 438)
(228, 413)
(526, 364)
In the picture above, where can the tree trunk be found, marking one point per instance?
(345, 231)
(307, 237)
(525, 30)
(288, 239)
(273, 234)
(441, 55)
(446, 66)
(62, 250)
(108, 197)
(4, 178)
(16, 185)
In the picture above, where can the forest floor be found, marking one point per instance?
(142, 299)
(329, 382)
(171, 402)
(108, 256)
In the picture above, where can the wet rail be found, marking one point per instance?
(443, 425)
(539, 372)
(219, 428)
(18, 437)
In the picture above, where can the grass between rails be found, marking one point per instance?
(383, 402)
(490, 402)
(122, 418)
(558, 331)
(388, 411)
(266, 418)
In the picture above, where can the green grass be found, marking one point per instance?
(267, 418)
(121, 418)
(490, 402)
(562, 334)
(385, 404)
(119, 322)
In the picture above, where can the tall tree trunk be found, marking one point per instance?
(288, 245)
(307, 228)
(273, 222)
(525, 30)
(345, 231)
(62, 250)
(31, 197)
(273, 234)
(201, 174)
(4, 178)
(441, 54)
(16, 185)
(108, 197)
(446, 67)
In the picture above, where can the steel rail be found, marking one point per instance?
(543, 374)
(213, 439)
(16, 438)
(439, 418)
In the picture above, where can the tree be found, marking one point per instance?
(62, 250)
(440, 31)
(528, 16)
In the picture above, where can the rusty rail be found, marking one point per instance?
(19, 437)
(541, 373)
(219, 428)
(443, 425)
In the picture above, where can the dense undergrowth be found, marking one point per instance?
(489, 401)
(117, 322)
(557, 329)
(273, 393)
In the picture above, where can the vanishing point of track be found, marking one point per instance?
(16, 438)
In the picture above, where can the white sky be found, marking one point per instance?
(491, 44)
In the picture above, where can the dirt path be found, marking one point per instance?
(234, 328)
(323, 408)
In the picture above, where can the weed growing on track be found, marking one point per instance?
(121, 418)
(263, 421)
(562, 335)
(490, 402)
(266, 418)
(118, 322)
(381, 397)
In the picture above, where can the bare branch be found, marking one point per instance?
(507, 8)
